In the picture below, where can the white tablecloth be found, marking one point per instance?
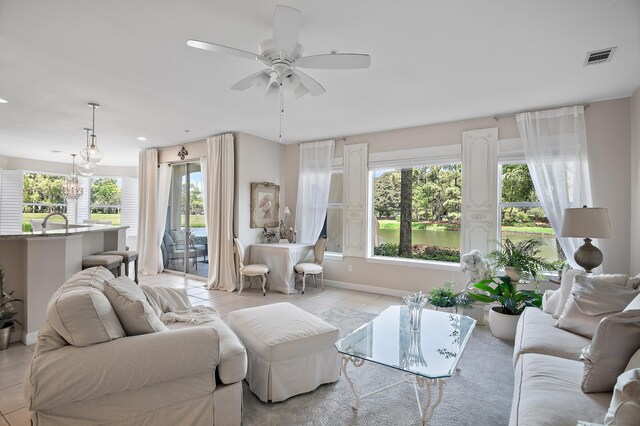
(281, 258)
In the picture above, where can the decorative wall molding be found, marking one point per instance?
(479, 190)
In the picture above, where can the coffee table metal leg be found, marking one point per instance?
(427, 411)
(357, 362)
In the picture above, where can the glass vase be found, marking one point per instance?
(415, 302)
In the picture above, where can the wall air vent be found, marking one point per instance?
(599, 56)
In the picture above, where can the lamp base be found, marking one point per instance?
(588, 256)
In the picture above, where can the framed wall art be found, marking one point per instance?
(265, 205)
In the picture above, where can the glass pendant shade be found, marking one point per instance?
(87, 168)
(91, 153)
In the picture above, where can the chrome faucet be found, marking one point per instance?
(66, 221)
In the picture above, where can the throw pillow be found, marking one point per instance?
(566, 283)
(92, 277)
(83, 316)
(615, 341)
(131, 307)
(625, 403)
(550, 300)
(591, 300)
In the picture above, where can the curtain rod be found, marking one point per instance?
(513, 114)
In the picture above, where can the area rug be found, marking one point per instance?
(480, 394)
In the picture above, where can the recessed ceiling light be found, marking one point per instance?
(141, 138)
(2, 101)
(56, 151)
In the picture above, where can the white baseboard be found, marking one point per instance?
(368, 288)
(29, 338)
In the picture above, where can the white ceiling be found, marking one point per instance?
(432, 61)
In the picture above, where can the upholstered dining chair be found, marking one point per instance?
(314, 268)
(256, 270)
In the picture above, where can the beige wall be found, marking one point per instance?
(257, 160)
(635, 182)
(608, 138)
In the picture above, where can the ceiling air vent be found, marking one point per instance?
(599, 56)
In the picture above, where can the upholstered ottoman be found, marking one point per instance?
(290, 351)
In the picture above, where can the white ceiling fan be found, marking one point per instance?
(283, 56)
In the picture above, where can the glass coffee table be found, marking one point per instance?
(427, 356)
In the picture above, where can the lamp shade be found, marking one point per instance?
(586, 222)
(287, 211)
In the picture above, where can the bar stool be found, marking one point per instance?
(128, 256)
(110, 262)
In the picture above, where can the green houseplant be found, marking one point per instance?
(7, 314)
(446, 297)
(503, 318)
(520, 259)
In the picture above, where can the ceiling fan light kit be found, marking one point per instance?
(283, 56)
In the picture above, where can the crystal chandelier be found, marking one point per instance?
(73, 190)
(91, 154)
(87, 168)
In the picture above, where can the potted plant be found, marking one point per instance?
(503, 318)
(7, 314)
(445, 297)
(520, 259)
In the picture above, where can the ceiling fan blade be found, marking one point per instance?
(334, 61)
(310, 84)
(300, 91)
(218, 48)
(256, 79)
(286, 28)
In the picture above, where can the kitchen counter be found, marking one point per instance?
(36, 264)
(73, 230)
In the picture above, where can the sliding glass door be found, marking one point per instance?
(185, 237)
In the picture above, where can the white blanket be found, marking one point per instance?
(173, 305)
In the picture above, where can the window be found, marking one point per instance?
(417, 212)
(333, 221)
(521, 214)
(106, 200)
(42, 194)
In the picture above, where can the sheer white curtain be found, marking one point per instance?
(153, 190)
(555, 146)
(164, 188)
(148, 250)
(316, 162)
(218, 176)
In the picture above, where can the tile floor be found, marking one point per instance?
(15, 359)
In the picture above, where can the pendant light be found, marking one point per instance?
(91, 153)
(87, 168)
(73, 190)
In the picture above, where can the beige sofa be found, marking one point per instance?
(182, 375)
(549, 374)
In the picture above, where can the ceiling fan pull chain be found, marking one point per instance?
(281, 110)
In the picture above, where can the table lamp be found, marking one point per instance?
(587, 223)
(283, 226)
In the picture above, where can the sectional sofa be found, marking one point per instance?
(563, 377)
(105, 357)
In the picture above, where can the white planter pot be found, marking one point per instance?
(476, 311)
(503, 326)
